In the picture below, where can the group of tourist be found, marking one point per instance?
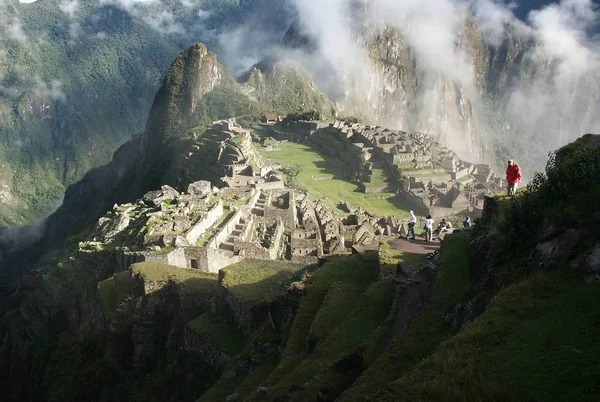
(513, 177)
(443, 227)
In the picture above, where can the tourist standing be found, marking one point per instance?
(429, 228)
(412, 222)
(513, 177)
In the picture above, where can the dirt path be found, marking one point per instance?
(417, 246)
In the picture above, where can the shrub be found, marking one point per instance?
(564, 196)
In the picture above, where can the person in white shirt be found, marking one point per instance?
(412, 222)
(429, 228)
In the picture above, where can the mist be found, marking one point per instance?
(426, 65)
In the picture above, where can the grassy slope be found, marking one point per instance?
(227, 337)
(425, 332)
(353, 274)
(359, 331)
(257, 281)
(334, 190)
(156, 271)
(536, 341)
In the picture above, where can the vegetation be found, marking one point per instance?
(332, 191)
(427, 330)
(154, 271)
(257, 281)
(226, 337)
(110, 293)
(76, 86)
(291, 175)
(562, 197)
(506, 354)
(343, 307)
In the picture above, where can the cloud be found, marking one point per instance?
(359, 44)
(203, 14)
(52, 89)
(494, 19)
(561, 30)
(43, 89)
(69, 7)
(164, 22)
(12, 29)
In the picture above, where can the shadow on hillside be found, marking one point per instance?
(400, 203)
(326, 167)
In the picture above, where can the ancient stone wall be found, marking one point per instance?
(175, 258)
(255, 196)
(206, 348)
(252, 250)
(204, 223)
(208, 259)
(228, 228)
(288, 216)
(270, 185)
(125, 259)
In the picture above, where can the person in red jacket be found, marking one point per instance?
(513, 177)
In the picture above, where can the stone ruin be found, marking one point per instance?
(208, 229)
(256, 217)
(239, 161)
(437, 181)
(430, 177)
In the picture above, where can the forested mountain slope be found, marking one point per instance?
(77, 80)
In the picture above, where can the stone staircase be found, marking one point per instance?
(228, 245)
(259, 207)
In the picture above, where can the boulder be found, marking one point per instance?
(167, 240)
(589, 264)
(149, 197)
(157, 197)
(181, 242)
(168, 190)
(113, 227)
(201, 188)
(559, 248)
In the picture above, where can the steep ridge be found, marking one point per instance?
(192, 75)
(78, 79)
(195, 91)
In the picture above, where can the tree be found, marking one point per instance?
(291, 174)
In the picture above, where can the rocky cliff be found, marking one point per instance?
(486, 99)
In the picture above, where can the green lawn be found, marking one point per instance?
(257, 281)
(157, 271)
(335, 190)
